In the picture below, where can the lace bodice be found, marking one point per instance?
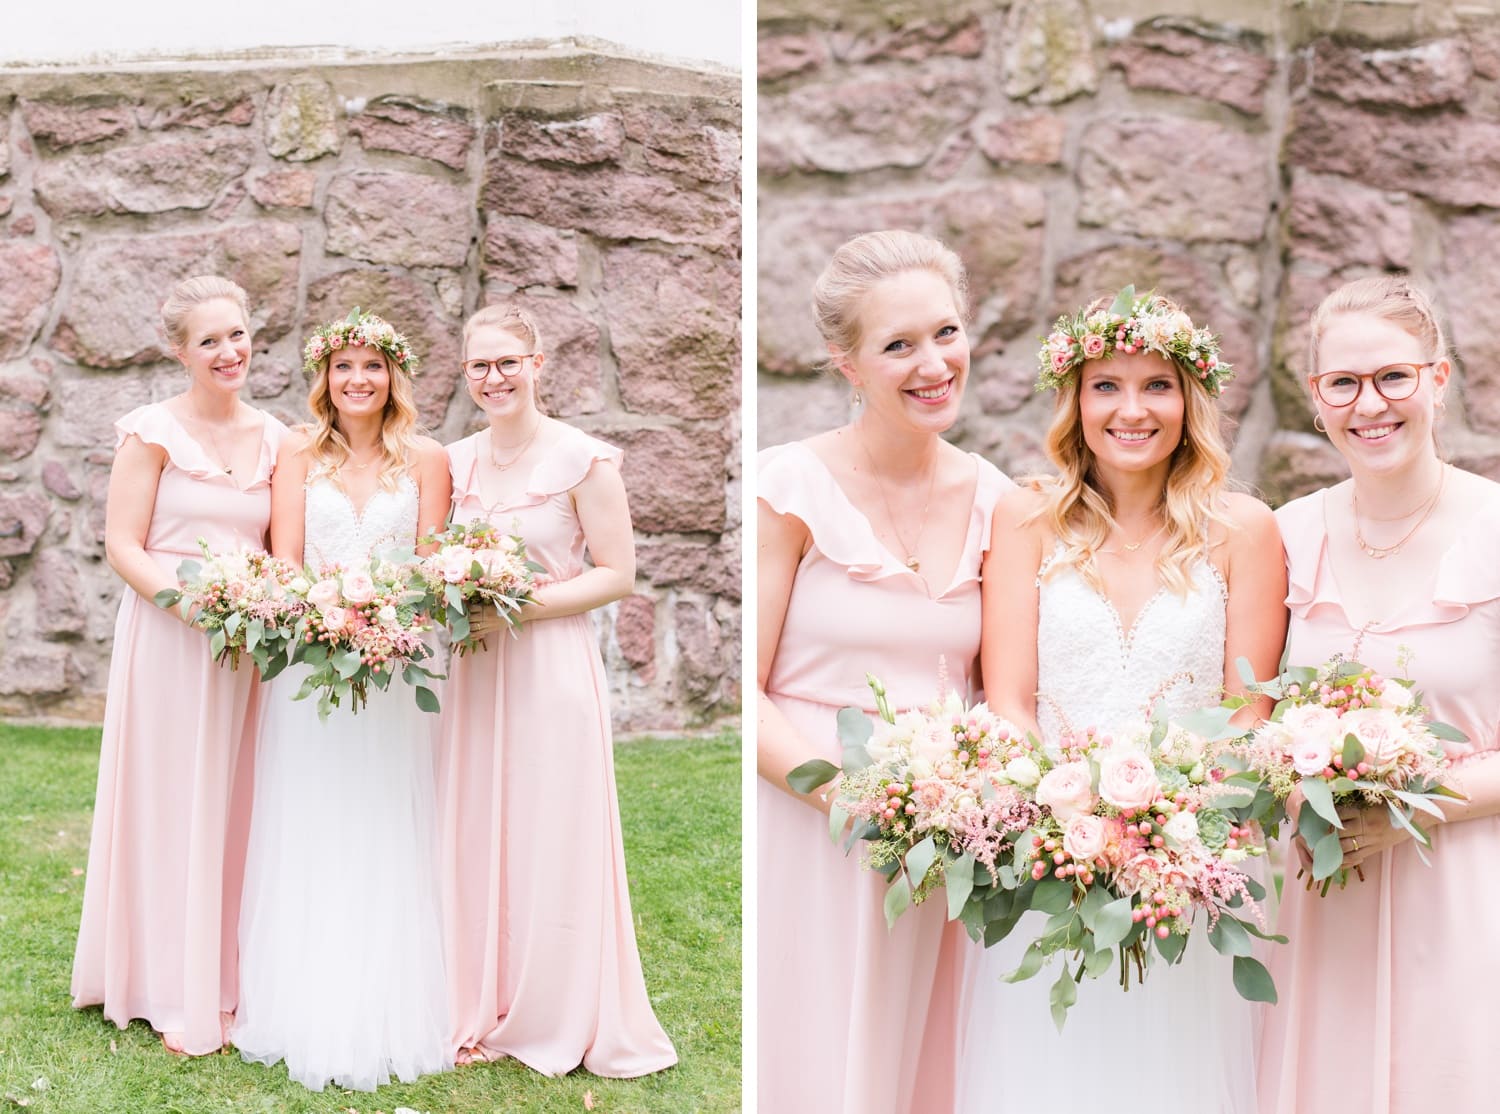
(336, 534)
(1091, 672)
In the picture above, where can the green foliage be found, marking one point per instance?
(679, 804)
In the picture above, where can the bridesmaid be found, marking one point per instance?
(542, 960)
(1386, 984)
(161, 902)
(871, 538)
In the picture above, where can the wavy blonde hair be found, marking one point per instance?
(398, 426)
(1080, 513)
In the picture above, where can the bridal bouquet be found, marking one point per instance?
(1347, 736)
(1140, 831)
(476, 563)
(361, 627)
(246, 600)
(1120, 840)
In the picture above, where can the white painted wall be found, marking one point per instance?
(82, 32)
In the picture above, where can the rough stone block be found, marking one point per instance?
(1196, 63)
(29, 277)
(411, 126)
(520, 252)
(155, 177)
(69, 123)
(302, 121)
(410, 220)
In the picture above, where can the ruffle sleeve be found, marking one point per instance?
(791, 480)
(568, 463)
(1304, 535)
(155, 425)
(1468, 574)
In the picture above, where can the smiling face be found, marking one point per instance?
(912, 357)
(1131, 408)
(1373, 432)
(216, 345)
(359, 382)
(499, 395)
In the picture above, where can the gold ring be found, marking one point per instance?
(1353, 844)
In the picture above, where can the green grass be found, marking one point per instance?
(679, 799)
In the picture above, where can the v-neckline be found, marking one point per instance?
(512, 502)
(887, 553)
(1126, 634)
(206, 455)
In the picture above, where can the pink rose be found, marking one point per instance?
(335, 619)
(1310, 754)
(1083, 838)
(1067, 790)
(1378, 731)
(358, 587)
(324, 594)
(1061, 360)
(496, 565)
(1093, 346)
(455, 563)
(1127, 779)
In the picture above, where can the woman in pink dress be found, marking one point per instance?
(871, 538)
(541, 952)
(1386, 986)
(161, 902)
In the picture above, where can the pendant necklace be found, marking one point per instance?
(526, 444)
(911, 560)
(1381, 552)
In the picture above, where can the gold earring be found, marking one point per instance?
(1320, 428)
(858, 398)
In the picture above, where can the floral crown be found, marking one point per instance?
(359, 330)
(1131, 324)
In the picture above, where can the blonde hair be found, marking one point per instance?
(187, 295)
(1391, 297)
(1080, 514)
(508, 316)
(398, 425)
(862, 262)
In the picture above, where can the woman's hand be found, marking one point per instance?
(1369, 831)
(484, 620)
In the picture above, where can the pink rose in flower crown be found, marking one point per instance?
(1061, 360)
(335, 619)
(335, 342)
(455, 563)
(1067, 790)
(324, 594)
(358, 587)
(1083, 838)
(1378, 731)
(1127, 779)
(1093, 346)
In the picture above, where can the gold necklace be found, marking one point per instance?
(1381, 552)
(911, 561)
(350, 461)
(221, 458)
(526, 444)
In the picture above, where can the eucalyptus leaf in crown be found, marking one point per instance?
(1148, 323)
(359, 330)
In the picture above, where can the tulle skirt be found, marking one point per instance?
(1185, 1035)
(341, 958)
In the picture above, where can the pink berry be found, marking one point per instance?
(1162, 932)
(1151, 921)
(1059, 857)
(1138, 914)
(1158, 841)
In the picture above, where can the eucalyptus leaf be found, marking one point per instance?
(1416, 830)
(1064, 994)
(255, 631)
(1320, 798)
(1211, 723)
(837, 819)
(1031, 963)
(854, 727)
(427, 699)
(1253, 981)
(1446, 731)
(1124, 302)
(1098, 962)
(1228, 936)
(1419, 802)
(1112, 923)
(232, 624)
(346, 663)
(811, 774)
(1327, 856)
(919, 860)
(897, 900)
(1170, 947)
(959, 883)
(1093, 901)
(1246, 672)
(216, 644)
(460, 626)
(1353, 753)
(1052, 895)
(166, 598)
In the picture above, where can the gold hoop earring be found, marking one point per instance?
(1320, 428)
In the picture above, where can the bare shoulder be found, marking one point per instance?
(428, 450)
(1021, 507)
(1248, 513)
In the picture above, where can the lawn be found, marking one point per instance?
(679, 799)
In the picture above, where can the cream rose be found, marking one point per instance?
(1396, 696)
(324, 594)
(334, 619)
(455, 563)
(1127, 779)
(358, 587)
(1182, 829)
(1378, 731)
(1310, 754)
(1083, 838)
(1022, 771)
(1067, 790)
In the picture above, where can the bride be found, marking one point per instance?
(1131, 577)
(341, 971)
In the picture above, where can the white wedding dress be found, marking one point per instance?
(341, 960)
(1184, 1041)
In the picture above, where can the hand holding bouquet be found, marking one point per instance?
(360, 627)
(1345, 736)
(246, 600)
(476, 565)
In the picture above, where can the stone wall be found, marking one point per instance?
(602, 191)
(1244, 158)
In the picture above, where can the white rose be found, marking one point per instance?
(1182, 829)
(1396, 696)
(1378, 731)
(1023, 772)
(299, 585)
(387, 615)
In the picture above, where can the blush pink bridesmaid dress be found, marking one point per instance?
(1387, 987)
(853, 1017)
(171, 818)
(541, 952)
